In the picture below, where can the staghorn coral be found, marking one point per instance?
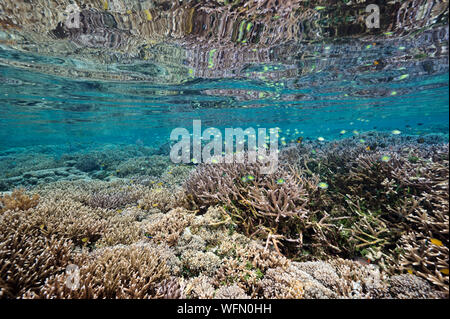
(406, 230)
(200, 287)
(18, 200)
(121, 229)
(378, 194)
(425, 259)
(126, 272)
(171, 288)
(69, 219)
(269, 206)
(27, 255)
(170, 226)
(159, 197)
(110, 200)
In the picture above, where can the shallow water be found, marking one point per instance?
(63, 92)
(87, 107)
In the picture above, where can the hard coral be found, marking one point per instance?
(18, 200)
(117, 272)
(27, 255)
(270, 206)
(170, 226)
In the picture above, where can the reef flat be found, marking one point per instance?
(360, 217)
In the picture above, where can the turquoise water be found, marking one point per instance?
(46, 109)
(63, 95)
(91, 91)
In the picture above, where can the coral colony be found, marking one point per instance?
(252, 149)
(340, 222)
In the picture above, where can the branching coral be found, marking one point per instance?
(118, 272)
(270, 206)
(170, 226)
(161, 198)
(379, 193)
(18, 200)
(69, 219)
(384, 209)
(292, 283)
(171, 288)
(27, 255)
(425, 259)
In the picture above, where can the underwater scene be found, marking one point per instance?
(227, 149)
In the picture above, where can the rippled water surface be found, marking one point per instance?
(135, 70)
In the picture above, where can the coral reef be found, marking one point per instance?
(127, 272)
(28, 255)
(378, 229)
(18, 200)
(384, 200)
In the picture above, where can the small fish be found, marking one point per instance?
(155, 205)
(362, 260)
(376, 62)
(250, 177)
(42, 227)
(385, 158)
(323, 185)
(280, 181)
(437, 242)
(444, 271)
(244, 179)
(321, 139)
(343, 132)
(148, 14)
(148, 236)
(299, 139)
(410, 271)
(85, 239)
(368, 148)
(396, 132)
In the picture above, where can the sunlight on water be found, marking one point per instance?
(90, 92)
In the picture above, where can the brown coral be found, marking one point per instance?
(169, 227)
(27, 255)
(127, 272)
(18, 200)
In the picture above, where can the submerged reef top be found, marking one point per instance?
(379, 229)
